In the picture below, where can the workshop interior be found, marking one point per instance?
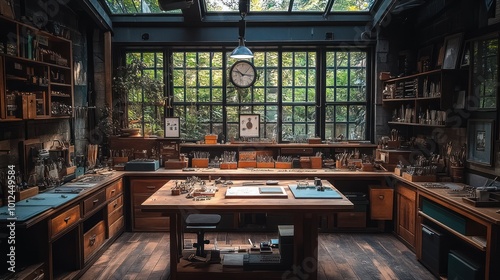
(300, 121)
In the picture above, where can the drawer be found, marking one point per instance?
(151, 224)
(297, 151)
(114, 189)
(381, 203)
(141, 214)
(93, 202)
(93, 239)
(351, 219)
(115, 215)
(138, 199)
(115, 204)
(115, 227)
(64, 220)
(146, 186)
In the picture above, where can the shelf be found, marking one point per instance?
(62, 96)
(436, 71)
(469, 239)
(411, 99)
(416, 124)
(16, 78)
(59, 84)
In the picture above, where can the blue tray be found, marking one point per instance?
(313, 193)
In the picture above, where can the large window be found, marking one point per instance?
(346, 96)
(143, 79)
(287, 94)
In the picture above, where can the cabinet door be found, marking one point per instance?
(406, 214)
(381, 203)
(140, 190)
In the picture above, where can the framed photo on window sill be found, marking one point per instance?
(250, 125)
(172, 129)
(480, 141)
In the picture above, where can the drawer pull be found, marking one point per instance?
(381, 197)
(66, 220)
(116, 204)
(151, 187)
(92, 240)
(95, 201)
(113, 191)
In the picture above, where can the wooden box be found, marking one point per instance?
(265, 164)
(247, 155)
(199, 162)
(316, 162)
(210, 139)
(283, 165)
(247, 164)
(314, 140)
(398, 171)
(421, 178)
(228, 165)
(175, 164)
(305, 162)
(24, 194)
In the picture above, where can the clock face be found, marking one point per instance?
(243, 74)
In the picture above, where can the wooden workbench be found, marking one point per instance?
(304, 211)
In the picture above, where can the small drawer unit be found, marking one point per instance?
(351, 219)
(115, 209)
(140, 190)
(93, 239)
(381, 203)
(64, 220)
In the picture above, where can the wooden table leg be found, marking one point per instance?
(306, 246)
(174, 255)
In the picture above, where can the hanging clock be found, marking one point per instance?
(243, 74)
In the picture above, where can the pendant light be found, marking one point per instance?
(242, 51)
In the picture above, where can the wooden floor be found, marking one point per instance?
(341, 256)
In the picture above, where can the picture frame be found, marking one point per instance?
(480, 141)
(452, 46)
(465, 61)
(172, 127)
(249, 125)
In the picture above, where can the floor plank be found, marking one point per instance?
(342, 256)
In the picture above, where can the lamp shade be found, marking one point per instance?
(241, 51)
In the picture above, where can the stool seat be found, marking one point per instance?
(202, 220)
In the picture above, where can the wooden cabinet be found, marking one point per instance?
(406, 210)
(140, 190)
(381, 203)
(35, 72)
(422, 99)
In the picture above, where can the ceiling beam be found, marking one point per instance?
(94, 9)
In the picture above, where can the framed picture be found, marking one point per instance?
(172, 128)
(480, 141)
(452, 45)
(249, 125)
(465, 55)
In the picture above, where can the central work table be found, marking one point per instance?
(305, 214)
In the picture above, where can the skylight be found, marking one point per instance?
(132, 7)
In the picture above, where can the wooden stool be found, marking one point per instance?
(201, 222)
